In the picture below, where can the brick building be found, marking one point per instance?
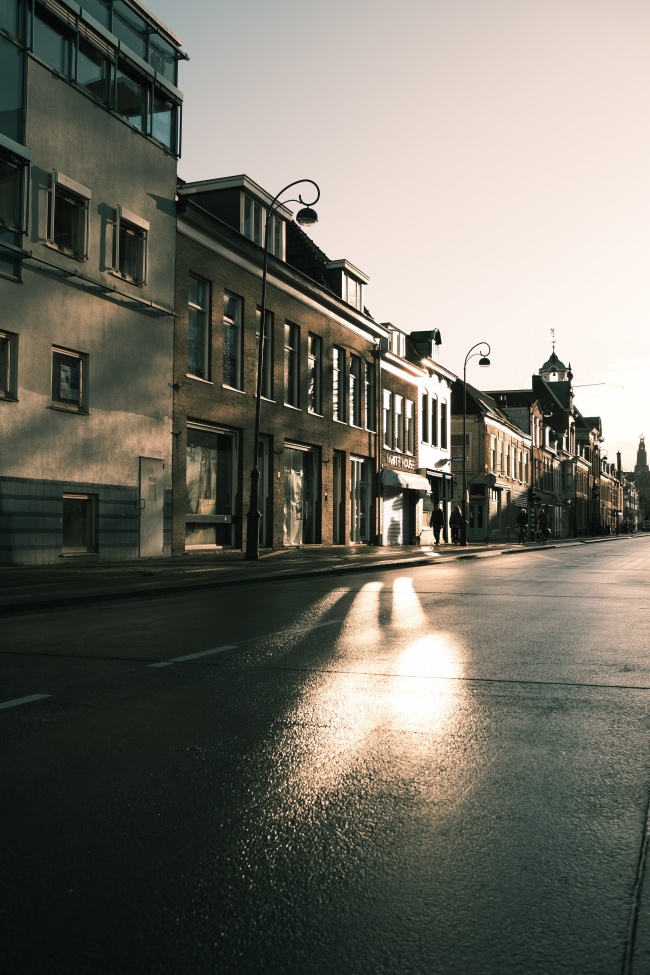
(339, 398)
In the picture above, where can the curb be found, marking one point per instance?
(28, 603)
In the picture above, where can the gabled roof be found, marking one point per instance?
(483, 403)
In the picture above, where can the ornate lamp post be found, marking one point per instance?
(305, 217)
(483, 361)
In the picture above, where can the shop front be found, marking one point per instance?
(401, 492)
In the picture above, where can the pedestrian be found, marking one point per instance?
(522, 524)
(437, 522)
(455, 521)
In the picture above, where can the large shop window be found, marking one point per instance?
(210, 473)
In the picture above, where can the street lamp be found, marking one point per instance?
(483, 361)
(306, 217)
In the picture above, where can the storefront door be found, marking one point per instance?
(359, 500)
(299, 496)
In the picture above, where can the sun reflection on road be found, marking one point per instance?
(383, 683)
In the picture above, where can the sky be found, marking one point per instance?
(485, 162)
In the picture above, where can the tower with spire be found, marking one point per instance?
(554, 370)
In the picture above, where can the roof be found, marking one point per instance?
(553, 364)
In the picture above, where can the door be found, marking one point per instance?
(359, 500)
(476, 517)
(338, 507)
(152, 499)
(299, 496)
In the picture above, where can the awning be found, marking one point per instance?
(404, 479)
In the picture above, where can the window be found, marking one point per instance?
(69, 205)
(520, 464)
(443, 425)
(52, 41)
(254, 225)
(352, 291)
(387, 415)
(69, 380)
(409, 420)
(399, 423)
(371, 396)
(13, 183)
(198, 327)
(424, 417)
(354, 380)
(11, 18)
(253, 214)
(79, 524)
(11, 86)
(93, 71)
(493, 452)
(434, 421)
(8, 365)
(338, 384)
(163, 119)
(232, 339)
(267, 353)
(314, 397)
(130, 28)
(100, 10)
(397, 342)
(291, 370)
(210, 488)
(131, 95)
(131, 237)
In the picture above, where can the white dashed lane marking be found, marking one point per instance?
(23, 700)
(194, 656)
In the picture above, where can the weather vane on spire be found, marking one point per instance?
(553, 338)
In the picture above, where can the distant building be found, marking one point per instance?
(642, 481)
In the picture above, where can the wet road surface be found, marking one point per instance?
(440, 770)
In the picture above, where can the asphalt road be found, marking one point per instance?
(438, 771)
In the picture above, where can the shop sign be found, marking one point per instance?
(405, 463)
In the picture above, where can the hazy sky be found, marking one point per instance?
(485, 162)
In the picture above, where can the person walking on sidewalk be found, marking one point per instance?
(455, 521)
(437, 522)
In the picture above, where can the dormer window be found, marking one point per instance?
(347, 281)
(397, 343)
(254, 222)
(352, 291)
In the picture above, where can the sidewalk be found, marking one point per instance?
(75, 581)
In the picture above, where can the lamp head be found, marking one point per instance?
(306, 217)
(484, 361)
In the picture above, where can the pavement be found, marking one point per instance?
(79, 580)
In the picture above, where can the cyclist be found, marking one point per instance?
(542, 520)
(522, 524)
